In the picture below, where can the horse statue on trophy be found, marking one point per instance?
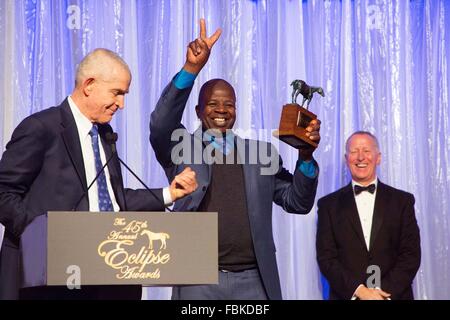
(300, 87)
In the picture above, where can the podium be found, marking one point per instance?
(146, 248)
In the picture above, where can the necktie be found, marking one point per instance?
(104, 201)
(370, 188)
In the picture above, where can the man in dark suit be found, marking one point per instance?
(368, 243)
(54, 155)
(230, 183)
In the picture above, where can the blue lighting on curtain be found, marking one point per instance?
(384, 66)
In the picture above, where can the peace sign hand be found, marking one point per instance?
(198, 50)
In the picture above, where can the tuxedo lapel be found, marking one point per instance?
(348, 205)
(72, 142)
(381, 205)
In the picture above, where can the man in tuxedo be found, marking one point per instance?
(368, 243)
(229, 182)
(55, 154)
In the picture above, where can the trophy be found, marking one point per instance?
(295, 118)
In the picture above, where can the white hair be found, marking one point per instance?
(99, 63)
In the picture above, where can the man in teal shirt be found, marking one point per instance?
(232, 180)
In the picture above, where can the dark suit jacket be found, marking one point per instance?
(394, 242)
(295, 193)
(42, 170)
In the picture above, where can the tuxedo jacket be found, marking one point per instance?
(295, 193)
(42, 170)
(342, 253)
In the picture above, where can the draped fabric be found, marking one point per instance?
(383, 66)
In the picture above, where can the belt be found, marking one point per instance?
(231, 271)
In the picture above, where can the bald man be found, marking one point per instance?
(368, 240)
(55, 154)
(230, 182)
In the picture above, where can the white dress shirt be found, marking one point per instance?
(84, 126)
(365, 203)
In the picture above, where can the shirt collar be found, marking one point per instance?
(375, 182)
(217, 141)
(84, 125)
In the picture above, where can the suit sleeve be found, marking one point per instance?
(295, 193)
(401, 276)
(343, 282)
(165, 119)
(143, 200)
(20, 164)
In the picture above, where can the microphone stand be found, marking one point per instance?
(90, 185)
(111, 138)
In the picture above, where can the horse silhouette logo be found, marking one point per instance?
(152, 236)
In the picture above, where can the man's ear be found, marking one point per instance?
(88, 86)
(379, 159)
(197, 111)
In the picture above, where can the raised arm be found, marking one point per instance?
(170, 107)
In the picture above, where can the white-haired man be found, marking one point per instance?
(61, 150)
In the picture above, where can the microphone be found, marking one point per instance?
(111, 138)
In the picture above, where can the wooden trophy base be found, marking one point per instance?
(293, 123)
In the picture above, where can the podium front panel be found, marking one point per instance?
(148, 248)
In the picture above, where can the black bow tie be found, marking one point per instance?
(370, 188)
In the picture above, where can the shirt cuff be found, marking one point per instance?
(184, 79)
(167, 197)
(308, 168)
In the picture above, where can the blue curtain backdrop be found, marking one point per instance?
(383, 65)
